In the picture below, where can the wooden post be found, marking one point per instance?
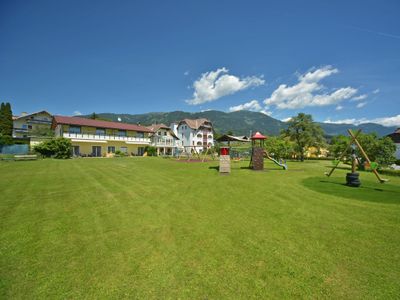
(344, 153)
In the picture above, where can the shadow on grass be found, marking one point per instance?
(368, 191)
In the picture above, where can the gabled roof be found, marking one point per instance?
(155, 127)
(232, 138)
(31, 114)
(97, 123)
(395, 136)
(197, 123)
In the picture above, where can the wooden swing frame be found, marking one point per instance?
(191, 153)
(355, 141)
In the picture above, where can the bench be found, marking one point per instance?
(25, 157)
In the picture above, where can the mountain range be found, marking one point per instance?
(239, 123)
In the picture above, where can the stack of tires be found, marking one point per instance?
(352, 179)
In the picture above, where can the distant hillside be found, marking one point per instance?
(240, 122)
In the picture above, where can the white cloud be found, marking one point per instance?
(343, 121)
(339, 107)
(216, 84)
(266, 112)
(186, 73)
(253, 105)
(309, 92)
(385, 121)
(361, 104)
(286, 119)
(77, 113)
(361, 97)
(376, 91)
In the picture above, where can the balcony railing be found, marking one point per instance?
(163, 142)
(100, 137)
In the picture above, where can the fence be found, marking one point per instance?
(14, 149)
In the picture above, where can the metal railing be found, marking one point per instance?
(105, 137)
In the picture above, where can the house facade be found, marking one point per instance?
(164, 139)
(195, 134)
(32, 125)
(98, 138)
(395, 136)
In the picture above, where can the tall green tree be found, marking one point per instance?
(278, 147)
(8, 120)
(6, 123)
(304, 133)
(2, 117)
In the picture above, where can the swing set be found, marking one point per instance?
(352, 178)
(191, 152)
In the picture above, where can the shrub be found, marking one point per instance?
(58, 148)
(119, 153)
(6, 140)
(151, 151)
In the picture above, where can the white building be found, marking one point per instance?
(194, 134)
(395, 136)
(164, 139)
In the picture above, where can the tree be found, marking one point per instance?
(278, 147)
(93, 116)
(6, 123)
(304, 133)
(338, 145)
(380, 150)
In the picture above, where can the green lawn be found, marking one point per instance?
(156, 228)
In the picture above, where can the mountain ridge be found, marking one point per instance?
(240, 122)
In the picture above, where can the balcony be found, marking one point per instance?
(163, 142)
(84, 137)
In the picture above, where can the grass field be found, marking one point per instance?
(156, 228)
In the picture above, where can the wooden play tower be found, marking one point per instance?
(257, 152)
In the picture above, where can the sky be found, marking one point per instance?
(336, 60)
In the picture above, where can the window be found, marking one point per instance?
(121, 132)
(140, 151)
(124, 149)
(199, 135)
(24, 126)
(111, 149)
(140, 134)
(210, 136)
(165, 133)
(159, 133)
(29, 126)
(74, 129)
(100, 131)
(75, 151)
(198, 143)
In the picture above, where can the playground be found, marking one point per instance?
(151, 228)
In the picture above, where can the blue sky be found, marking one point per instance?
(338, 60)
